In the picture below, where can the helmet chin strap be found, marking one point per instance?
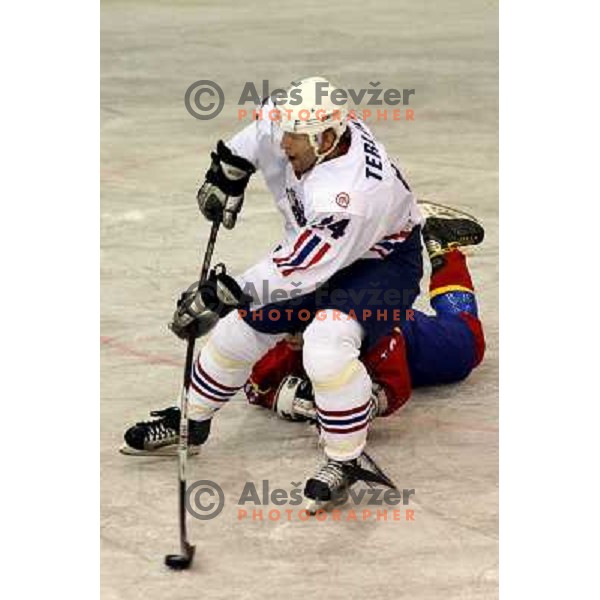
(315, 141)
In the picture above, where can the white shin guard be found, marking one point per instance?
(341, 383)
(224, 364)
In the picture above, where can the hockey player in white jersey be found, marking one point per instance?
(352, 236)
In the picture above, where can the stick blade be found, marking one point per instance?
(180, 562)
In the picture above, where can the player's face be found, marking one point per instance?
(299, 151)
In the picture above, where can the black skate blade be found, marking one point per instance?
(380, 476)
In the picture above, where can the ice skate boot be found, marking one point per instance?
(450, 228)
(329, 487)
(160, 436)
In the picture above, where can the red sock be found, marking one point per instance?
(451, 275)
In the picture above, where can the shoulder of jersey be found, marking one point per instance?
(342, 184)
(334, 190)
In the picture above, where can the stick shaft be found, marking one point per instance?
(182, 450)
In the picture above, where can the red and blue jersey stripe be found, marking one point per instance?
(389, 243)
(308, 251)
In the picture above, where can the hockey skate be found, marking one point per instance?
(160, 436)
(446, 228)
(329, 487)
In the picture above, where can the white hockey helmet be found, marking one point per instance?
(314, 113)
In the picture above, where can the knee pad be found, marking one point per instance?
(331, 350)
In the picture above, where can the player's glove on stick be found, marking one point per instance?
(221, 196)
(192, 318)
(199, 308)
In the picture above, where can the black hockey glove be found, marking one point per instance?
(221, 196)
(221, 293)
(199, 309)
(192, 318)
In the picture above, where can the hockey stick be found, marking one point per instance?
(184, 560)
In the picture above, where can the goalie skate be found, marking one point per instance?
(160, 436)
(329, 487)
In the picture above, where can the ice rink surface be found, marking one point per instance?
(444, 444)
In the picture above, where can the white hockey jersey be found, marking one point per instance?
(344, 209)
